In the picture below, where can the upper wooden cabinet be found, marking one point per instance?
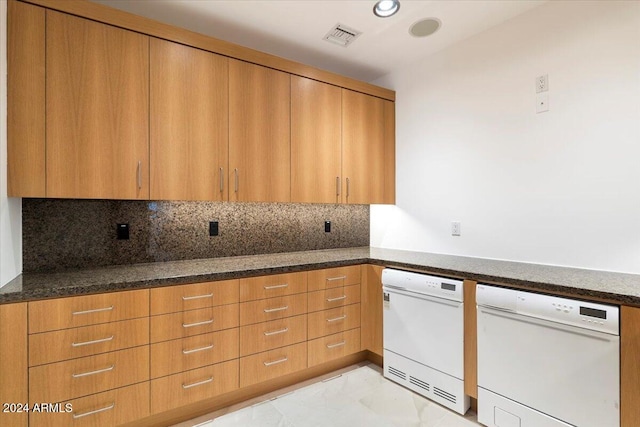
(259, 133)
(189, 123)
(97, 110)
(316, 141)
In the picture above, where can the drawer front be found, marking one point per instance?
(108, 409)
(269, 335)
(55, 346)
(194, 322)
(61, 381)
(332, 321)
(334, 346)
(277, 285)
(170, 357)
(333, 277)
(272, 364)
(273, 308)
(334, 297)
(192, 386)
(172, 299)
(63, 313)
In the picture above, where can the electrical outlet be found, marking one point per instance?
(213, 228)
(122, 231)
(455, 228)
(327, 226)
(542, 83)
(542, 102)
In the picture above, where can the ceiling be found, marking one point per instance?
(294, 29)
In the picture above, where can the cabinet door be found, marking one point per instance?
(316, 126)
(389, 152)
(259, 133)
(97, 110)
(189, 122)
(362, 147)
(13, 363)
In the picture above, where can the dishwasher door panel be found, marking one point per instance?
(567, 372)
(425, 329)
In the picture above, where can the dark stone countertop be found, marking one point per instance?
(614, 287)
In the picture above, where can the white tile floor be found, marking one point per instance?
(358, 397)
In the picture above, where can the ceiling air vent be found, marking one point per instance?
(342, 35)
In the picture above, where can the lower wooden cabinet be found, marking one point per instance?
(192, 386)
(333, 347)
(272, 364)
(193, 322)
(269, 335)
(108, 409)
(328, 322)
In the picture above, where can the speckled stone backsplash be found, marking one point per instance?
(67, 234)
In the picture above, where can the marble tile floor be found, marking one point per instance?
(353, 397)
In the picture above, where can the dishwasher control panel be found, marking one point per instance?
(435, 286)
(588, 315)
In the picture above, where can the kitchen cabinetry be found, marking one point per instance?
(629, 365)
(259, 133)
(189, 123)
(13, 363)
(97, 110)
(371, 316)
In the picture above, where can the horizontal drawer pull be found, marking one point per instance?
(195, 350)
(284, 285)
(197, 297)
(99, 371)
(97, 411)
(207, 381)
(271, 310)
(281, 331)
(331, 279)
(336, 299)
(335, 319)
(339, 344)
(95, 310)
(190, 325)
(275, 362)
(80, 344)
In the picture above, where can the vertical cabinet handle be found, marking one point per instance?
(221, 180)
(235, 171)
(337, 185)
(139, 175)
(347, 187)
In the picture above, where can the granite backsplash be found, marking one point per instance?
(68, 234)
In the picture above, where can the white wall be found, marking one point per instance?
(10, 209)
(561, 187)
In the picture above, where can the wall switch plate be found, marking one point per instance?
(213, 228)
(122, 231)
(542, 83)
(327, 226)
(455, 228)
(542, 102)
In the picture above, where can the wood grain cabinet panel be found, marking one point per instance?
(108, 409)
(276, 285)
(371, 309)
(316, 142)
(192, 386)
(389, 152)
(97, 109)
(259, 133)
(272, 309)
(61, 381)
(189, 122)
(334, 346)
(272, 364)
(269, 335)
(14, 380)
(171, 299)
(629, 366)
(363, 148)
(334, 277)
(193, 322)
(72, 343)
(333, 297)
(50, 315)
(332, 321)
(170, 357)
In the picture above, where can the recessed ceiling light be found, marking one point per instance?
(425, 27)
(386, 8)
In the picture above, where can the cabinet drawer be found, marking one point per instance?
(329, 322)
(334, 297)
(272, 364)
(194, 322)
(272, 286)
(334, 346)
(63, 313)
(272, 309)
(79, 377)
(55, 346)
(108, 409)
(170, 357)
(171, 299)
(191, 386)
(334, 277)
(269, 335)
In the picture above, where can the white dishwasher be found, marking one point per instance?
(423, 333)
(545, 361)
